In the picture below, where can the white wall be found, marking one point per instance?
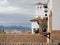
(56, 14)
(40, 11)
(34, 25)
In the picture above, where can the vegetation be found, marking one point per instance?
(2, 32)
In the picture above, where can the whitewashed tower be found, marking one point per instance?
(43, 12)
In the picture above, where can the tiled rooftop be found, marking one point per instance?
(22, 38)
(56, 34)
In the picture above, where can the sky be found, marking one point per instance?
(17, 12)
(20, 12)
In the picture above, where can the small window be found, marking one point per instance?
(36, 30)
(45, 6)
(46, 11)
(45, 14)
(38, 7)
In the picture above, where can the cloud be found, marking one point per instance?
(18, 6)
(15, 18)
(3, 2)
(17, 11)
(7, 9)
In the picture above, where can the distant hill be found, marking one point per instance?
(14, 28)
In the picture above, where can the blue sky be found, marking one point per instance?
(17, 12)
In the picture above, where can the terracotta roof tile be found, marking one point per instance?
(55, 34)
(22, 38)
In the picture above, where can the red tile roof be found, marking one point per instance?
(55, 34)
(22, 38)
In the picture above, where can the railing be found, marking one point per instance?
(26, 43)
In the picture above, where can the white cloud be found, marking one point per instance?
(6, 9)
(17, 11)
(3, 2)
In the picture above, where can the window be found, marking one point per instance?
(36, 30)
(45, 6)
(46, 11)
(38, 7)
(45, 14)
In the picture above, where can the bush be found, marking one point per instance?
(2, 32)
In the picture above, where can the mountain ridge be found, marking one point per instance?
(15, 28)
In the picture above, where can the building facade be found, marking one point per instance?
(43, 10)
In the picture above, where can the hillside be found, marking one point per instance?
(14, 28)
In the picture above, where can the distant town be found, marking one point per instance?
(14, 29)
